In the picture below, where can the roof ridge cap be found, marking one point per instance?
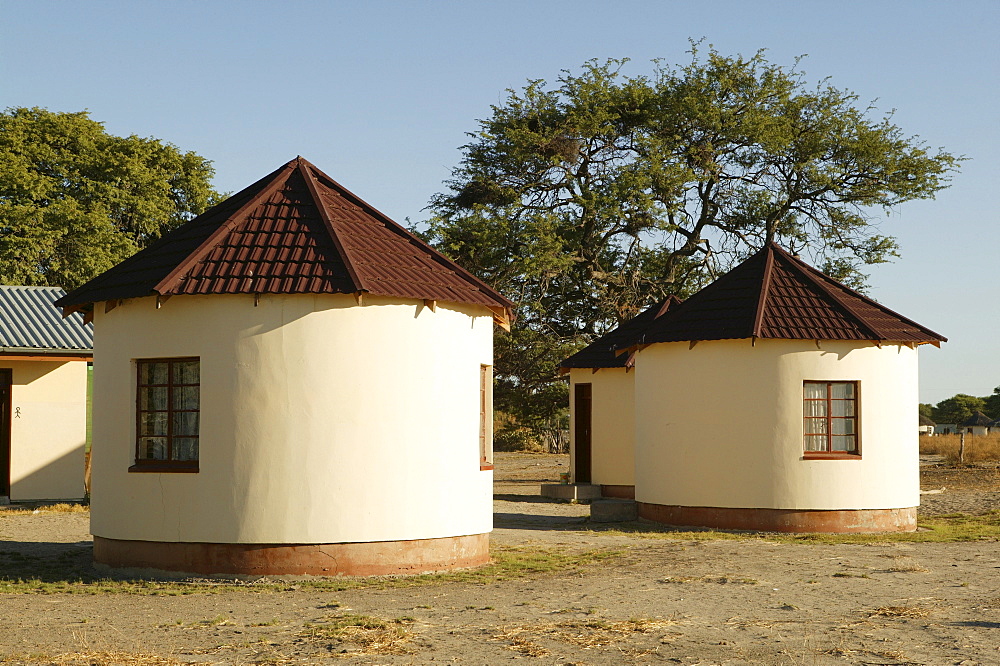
(305, 167)
(765, 288)
(170, 280)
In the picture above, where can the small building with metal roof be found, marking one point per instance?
(777, 398)
(292, 383)
(43, 396)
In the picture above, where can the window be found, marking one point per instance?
(485, 417)
(830, 419)
(167, 414)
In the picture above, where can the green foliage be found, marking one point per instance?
(926, 410)
(991, 404)
(957, 408)
(588, 201)
(75, 200)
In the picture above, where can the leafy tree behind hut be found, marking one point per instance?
(588, 201)
(76, 200)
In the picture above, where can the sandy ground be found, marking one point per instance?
(662, 600)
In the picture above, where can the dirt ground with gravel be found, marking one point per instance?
(652, 597)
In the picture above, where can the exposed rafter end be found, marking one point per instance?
(113, 303)
(70, 309)
(161, 299)
(692, 344)
(431, 304)
(877, 343)
(359, 296)
(256, 298)
(593, 371)
(563, 371)
(501, 317)
(817, 345)
(88, 317)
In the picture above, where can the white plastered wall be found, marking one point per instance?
(720, 425)
(612, 423)
(48, 429)
(322, 421)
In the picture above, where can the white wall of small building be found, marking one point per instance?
(48, 429)
(612, 423)
(322, 421)
(721, 425)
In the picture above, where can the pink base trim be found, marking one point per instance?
(783, 520)
(332, 559)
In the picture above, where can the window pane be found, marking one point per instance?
(152, 372)
(842, 390)
(843, 407)
(185, 424)
(843, 443)
(815, 443)
(843, 426)
(185, 448)
(153, 448)
(153, 423)
(815, 426)
(815, 407)
(153, 398)
(186, 372)
(186, 397)
(815, 390)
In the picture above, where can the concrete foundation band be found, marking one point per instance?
(332, 559)
(783, 520)
(617, 491)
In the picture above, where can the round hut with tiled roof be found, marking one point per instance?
(291, 383)
(977, 424)
(777, 398)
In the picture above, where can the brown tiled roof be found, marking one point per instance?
(977, 419)
(294, 231)
(775, 295)
(604, 352)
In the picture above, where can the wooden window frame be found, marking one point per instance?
(485, 417)
(829, 453)
(153, 465)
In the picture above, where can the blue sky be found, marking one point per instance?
(380, 95)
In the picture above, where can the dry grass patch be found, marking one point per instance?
(900, 611)
(369, 635)
(102, 657)
(588, 634)
(62, 507)
(978, 448)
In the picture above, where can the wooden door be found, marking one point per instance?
(581, 432)
(5, 382)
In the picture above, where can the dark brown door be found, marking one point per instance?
(5, 382)
(581, 430)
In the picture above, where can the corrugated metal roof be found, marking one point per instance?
(605, 351)
(294, 231)
(775, 295)
(31, 322)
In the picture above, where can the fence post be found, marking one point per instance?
(961, 449)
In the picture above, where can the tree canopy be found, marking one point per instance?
(586, 201)
(75, 200)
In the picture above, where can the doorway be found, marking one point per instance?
(581, 432)
(6, 379)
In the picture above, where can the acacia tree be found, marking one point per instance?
(585, 202)
(75, 200)
(957, 408)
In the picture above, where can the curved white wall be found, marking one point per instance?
(612, 423)
(720, 425)
(321, 421)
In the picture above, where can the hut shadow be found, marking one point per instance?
(533, 498)
(47, 562)
(981, 624)
(530, 521)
